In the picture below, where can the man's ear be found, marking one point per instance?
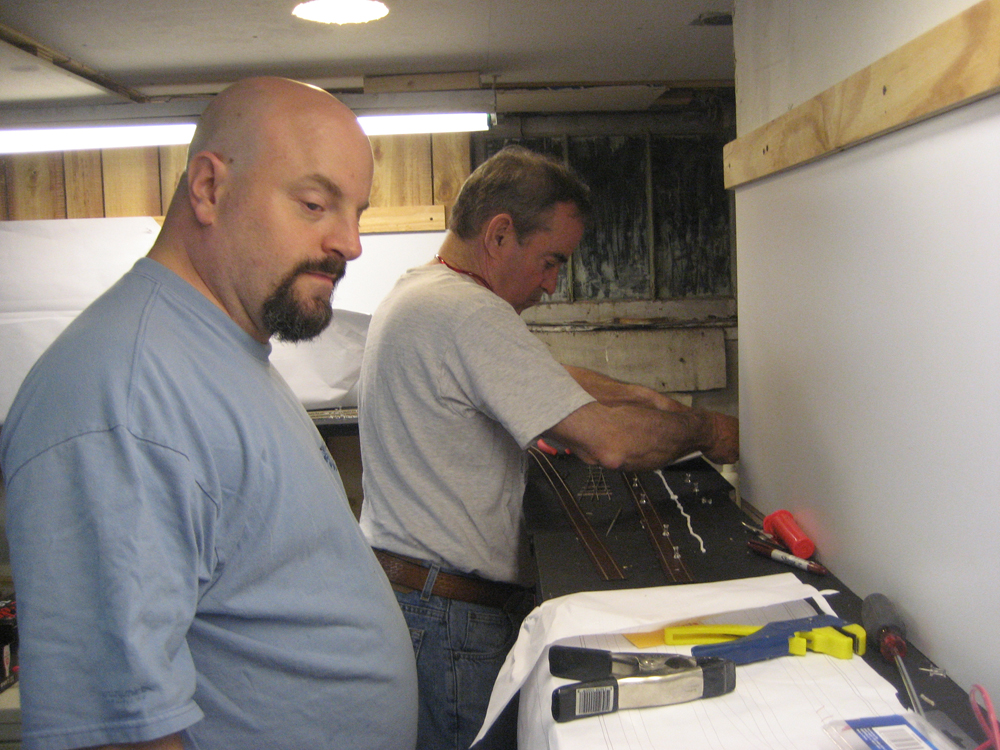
(500, 236)
(205, 174)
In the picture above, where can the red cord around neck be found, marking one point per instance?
(474, 276)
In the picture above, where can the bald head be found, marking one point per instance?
(239, 122)
(278, 175)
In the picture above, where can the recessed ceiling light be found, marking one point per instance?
(341, 11)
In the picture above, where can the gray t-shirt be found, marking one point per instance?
(184, 554)
(453, 389)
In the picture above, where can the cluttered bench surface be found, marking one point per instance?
(602, 530)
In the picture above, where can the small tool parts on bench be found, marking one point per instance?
(612, 681)
(781, 539)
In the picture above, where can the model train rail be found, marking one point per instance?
(598, 552)
(668, 555)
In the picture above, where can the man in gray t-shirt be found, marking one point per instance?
(453, 389)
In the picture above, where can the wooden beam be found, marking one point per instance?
(953, 64)
(421, 82)
(382, 220)
(666, 360)
(39, 50)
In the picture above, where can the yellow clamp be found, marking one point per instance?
(696, 635)
(828, 640)
(835, 643)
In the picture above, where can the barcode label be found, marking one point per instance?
(595, 700)
(901, 738)
(890, 733)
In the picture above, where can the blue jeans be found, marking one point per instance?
(459, 648)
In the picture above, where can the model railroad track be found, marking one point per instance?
(595, 547)
(659, 533)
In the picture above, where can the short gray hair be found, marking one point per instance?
(519, 182)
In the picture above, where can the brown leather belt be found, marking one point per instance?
(404, 571)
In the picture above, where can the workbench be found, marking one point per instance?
(564, 565)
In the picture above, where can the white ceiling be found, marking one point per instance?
(185, 47)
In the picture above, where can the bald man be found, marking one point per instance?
(188, 570)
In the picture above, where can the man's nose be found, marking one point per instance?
(345, 239)
(549, 281)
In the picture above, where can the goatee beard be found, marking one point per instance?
(286, 319)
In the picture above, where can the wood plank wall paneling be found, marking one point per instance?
(685, 359)
(173, 162)
(402, 171)
(412, 173)
(4, 211)
(84, 184)
(35, 186)
(132, 181)
(451, 162)
(953, 64)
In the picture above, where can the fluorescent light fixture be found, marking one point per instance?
(341, 11)
(79, 138)
(23, 141)
(447, 122)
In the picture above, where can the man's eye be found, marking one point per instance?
(312, 206)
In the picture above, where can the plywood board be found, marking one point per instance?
(173, 162)
(3, 188)
(131, 182)
(953, 64)
(402, 170)
(84, 184)
(687, 359)
(451, 162)
(35, 186)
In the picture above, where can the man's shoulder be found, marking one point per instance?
(437, 295)
(89, 379)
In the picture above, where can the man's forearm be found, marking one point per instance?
(640, 438)
(611, 392)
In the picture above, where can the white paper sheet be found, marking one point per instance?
(776, 704)
(323, 372)
(51, 270)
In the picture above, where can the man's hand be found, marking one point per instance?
(725, 448)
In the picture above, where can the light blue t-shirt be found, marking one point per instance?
(184, 555)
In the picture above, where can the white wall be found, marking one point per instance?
(787, 51)
(869, 312)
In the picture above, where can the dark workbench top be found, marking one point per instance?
(564, 566)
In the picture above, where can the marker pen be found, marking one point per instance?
(781, 556)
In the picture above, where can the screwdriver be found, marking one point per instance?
(885, 629)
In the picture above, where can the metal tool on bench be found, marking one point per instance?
(888, 633)
(820, 633)
(610, 681)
